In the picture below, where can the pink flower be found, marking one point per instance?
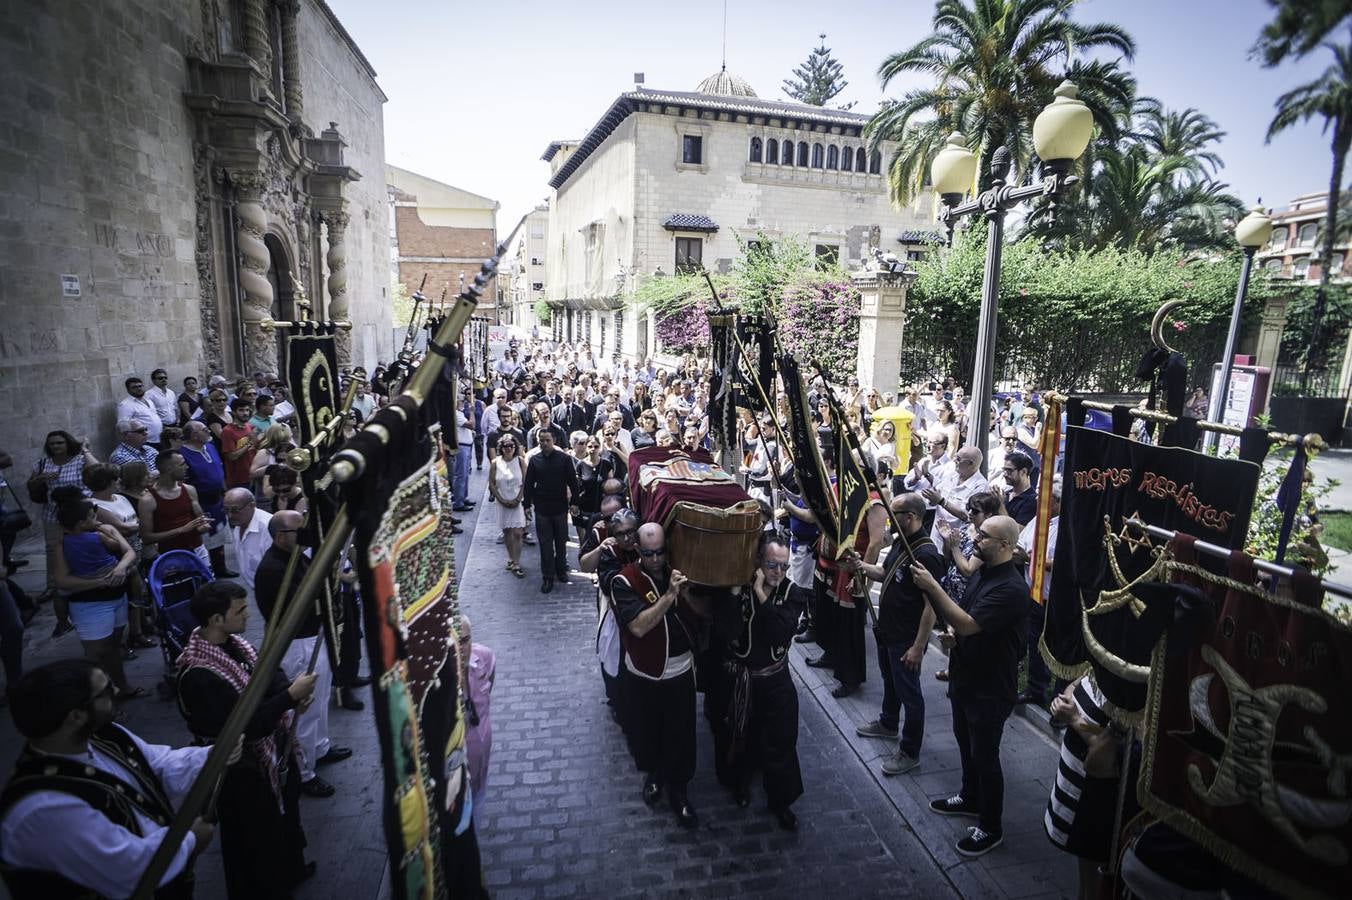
(1180, 326)
(1023, 292)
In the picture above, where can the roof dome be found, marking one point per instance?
(726, 85)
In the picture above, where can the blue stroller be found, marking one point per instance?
(175, 576)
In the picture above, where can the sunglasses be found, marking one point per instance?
(240, 508)
(625, 535)
(775, 566)
(658, 552)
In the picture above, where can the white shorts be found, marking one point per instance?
(96, 620)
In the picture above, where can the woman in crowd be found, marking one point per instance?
(93, 562)
(591, 471)
(948, 424)
(282, 490)
(644, 434)
(960, 546)
(881, 449)
(188, 401)
(506, 485)
(216, 415)
(641, 400)
(275, 444)
(613, 452)
(112, 508)
(61, 465)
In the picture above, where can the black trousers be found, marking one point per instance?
(849, 658)
(771, 738)
(978, 725)
(349, 649)
(825, 612)
(662, 717)
(262, 847)
(552, 533)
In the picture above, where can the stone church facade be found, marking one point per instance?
(173, 176)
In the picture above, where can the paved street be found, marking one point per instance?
(563, 816)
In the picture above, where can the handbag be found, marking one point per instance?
(38, 487)
(14, 520)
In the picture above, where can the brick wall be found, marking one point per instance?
(441, 274)
(417, 238)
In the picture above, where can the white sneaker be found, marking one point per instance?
(502, 538)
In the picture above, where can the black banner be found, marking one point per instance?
(852, 483)
(813, 483)
(1101, 613)
(722, 411)
(310, 357)
(756, 336)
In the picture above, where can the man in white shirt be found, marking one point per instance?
(934, 469)
(916, 407)
(951, 493)
(137, 408)
(364, 403)
(491, 420)
(162, 398)
(52, 841)
(248, 532)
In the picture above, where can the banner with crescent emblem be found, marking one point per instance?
(814, 484)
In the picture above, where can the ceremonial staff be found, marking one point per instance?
(347, 465)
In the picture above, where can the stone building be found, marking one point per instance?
(441, 232)
(1296, 242)
(669, 180)
(526, 267)
(175, 175)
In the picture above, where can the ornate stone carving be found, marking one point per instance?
(254, 260)
(295, 98)
(209, 311)
(256, 42)
(337, 260)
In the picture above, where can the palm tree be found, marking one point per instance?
(1329, 97)
(1298, 27)
(996, 63)
(1186, 133)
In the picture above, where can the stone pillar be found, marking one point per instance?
(1269, 345)
(256, 42)
(882, 311)
(251, 222)
(337, 260)
(295, 99)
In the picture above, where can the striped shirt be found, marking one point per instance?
(68, 474)
(1071, 778)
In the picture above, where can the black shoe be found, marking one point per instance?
(844, 690)
(978, 842)
(821, 662)
(226, 573)
(561, 578)
(317, 787)
(359, 681)
(685, 815)
(652, 790)
(954, 806)
(786, 819)
(462, 509)
(547, 585)
(742, 797)
(62, 628)
(335, 754)
(455, 521)
(347, 700)
(807, 637)
(456, 529)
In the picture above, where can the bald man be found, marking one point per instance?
(248, 530)
(990, 621)
(312, 726)
(656, 632)
(949, 495)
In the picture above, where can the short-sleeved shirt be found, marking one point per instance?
(1022, 507)
(237, 471)
(901, 604)
(984, 666)
(628, 605)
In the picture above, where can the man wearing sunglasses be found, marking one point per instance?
(134, 446)
(656, 632)
(609, 546)
(989, 620)
(755, 705)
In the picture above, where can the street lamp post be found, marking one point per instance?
(1251, 233)
(1060, 134)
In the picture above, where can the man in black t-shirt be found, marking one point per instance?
(905, 621)
(1021, 498)
(982, 675)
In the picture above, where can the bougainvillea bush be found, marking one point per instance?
(819, 322)
(685, 328)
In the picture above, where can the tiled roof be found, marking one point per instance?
(555, 147)
(920, 237)
(689, 222)
(634, 101)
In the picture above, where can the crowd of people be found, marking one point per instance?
(200, 470)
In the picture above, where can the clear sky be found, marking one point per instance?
(477, 90)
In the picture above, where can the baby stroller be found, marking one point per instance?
(175, 576)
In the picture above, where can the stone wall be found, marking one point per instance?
(97, 173)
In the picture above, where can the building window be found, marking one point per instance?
(816, 156)
(875, 163)
(1301, 270)
(689, 255)
(1273, 265)
(915, 255)
(755, 149)
(828, 256)
(772, 152)
(1336, 265)
(1307, 234)
(1278, 239)
(692, 149)
(535, 261)
(859, 160)
(833, 157)
(847, 160)
(802, 154)
(787, 156)
(537, 230)
(537, 285)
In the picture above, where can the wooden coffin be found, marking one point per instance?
(711, 546)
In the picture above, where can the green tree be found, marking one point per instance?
(995, 64)
(1186, 133)
(1328, 97)
(817, 80)
(1299, 26)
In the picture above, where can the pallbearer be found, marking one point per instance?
(759, 724)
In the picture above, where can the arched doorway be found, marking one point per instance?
(283, 288)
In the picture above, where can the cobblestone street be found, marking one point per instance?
(563, 815)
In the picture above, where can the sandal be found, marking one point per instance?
(517, 570)
(941, 675)
(128, 654)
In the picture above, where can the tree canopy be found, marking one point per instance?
(818, 80)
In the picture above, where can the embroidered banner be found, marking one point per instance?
(852, 483)
(813, 484)
(1248, 738)
(754, 375)
(1093, 616)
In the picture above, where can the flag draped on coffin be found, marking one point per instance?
(813, 482)
(405, 555)
(1098, 614)
(310, 357)
(1248, 737)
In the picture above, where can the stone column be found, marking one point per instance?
(251, 222)
(295, 99)
(882, 310)
(1270, 328)
(337, 260)
(256, 42)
